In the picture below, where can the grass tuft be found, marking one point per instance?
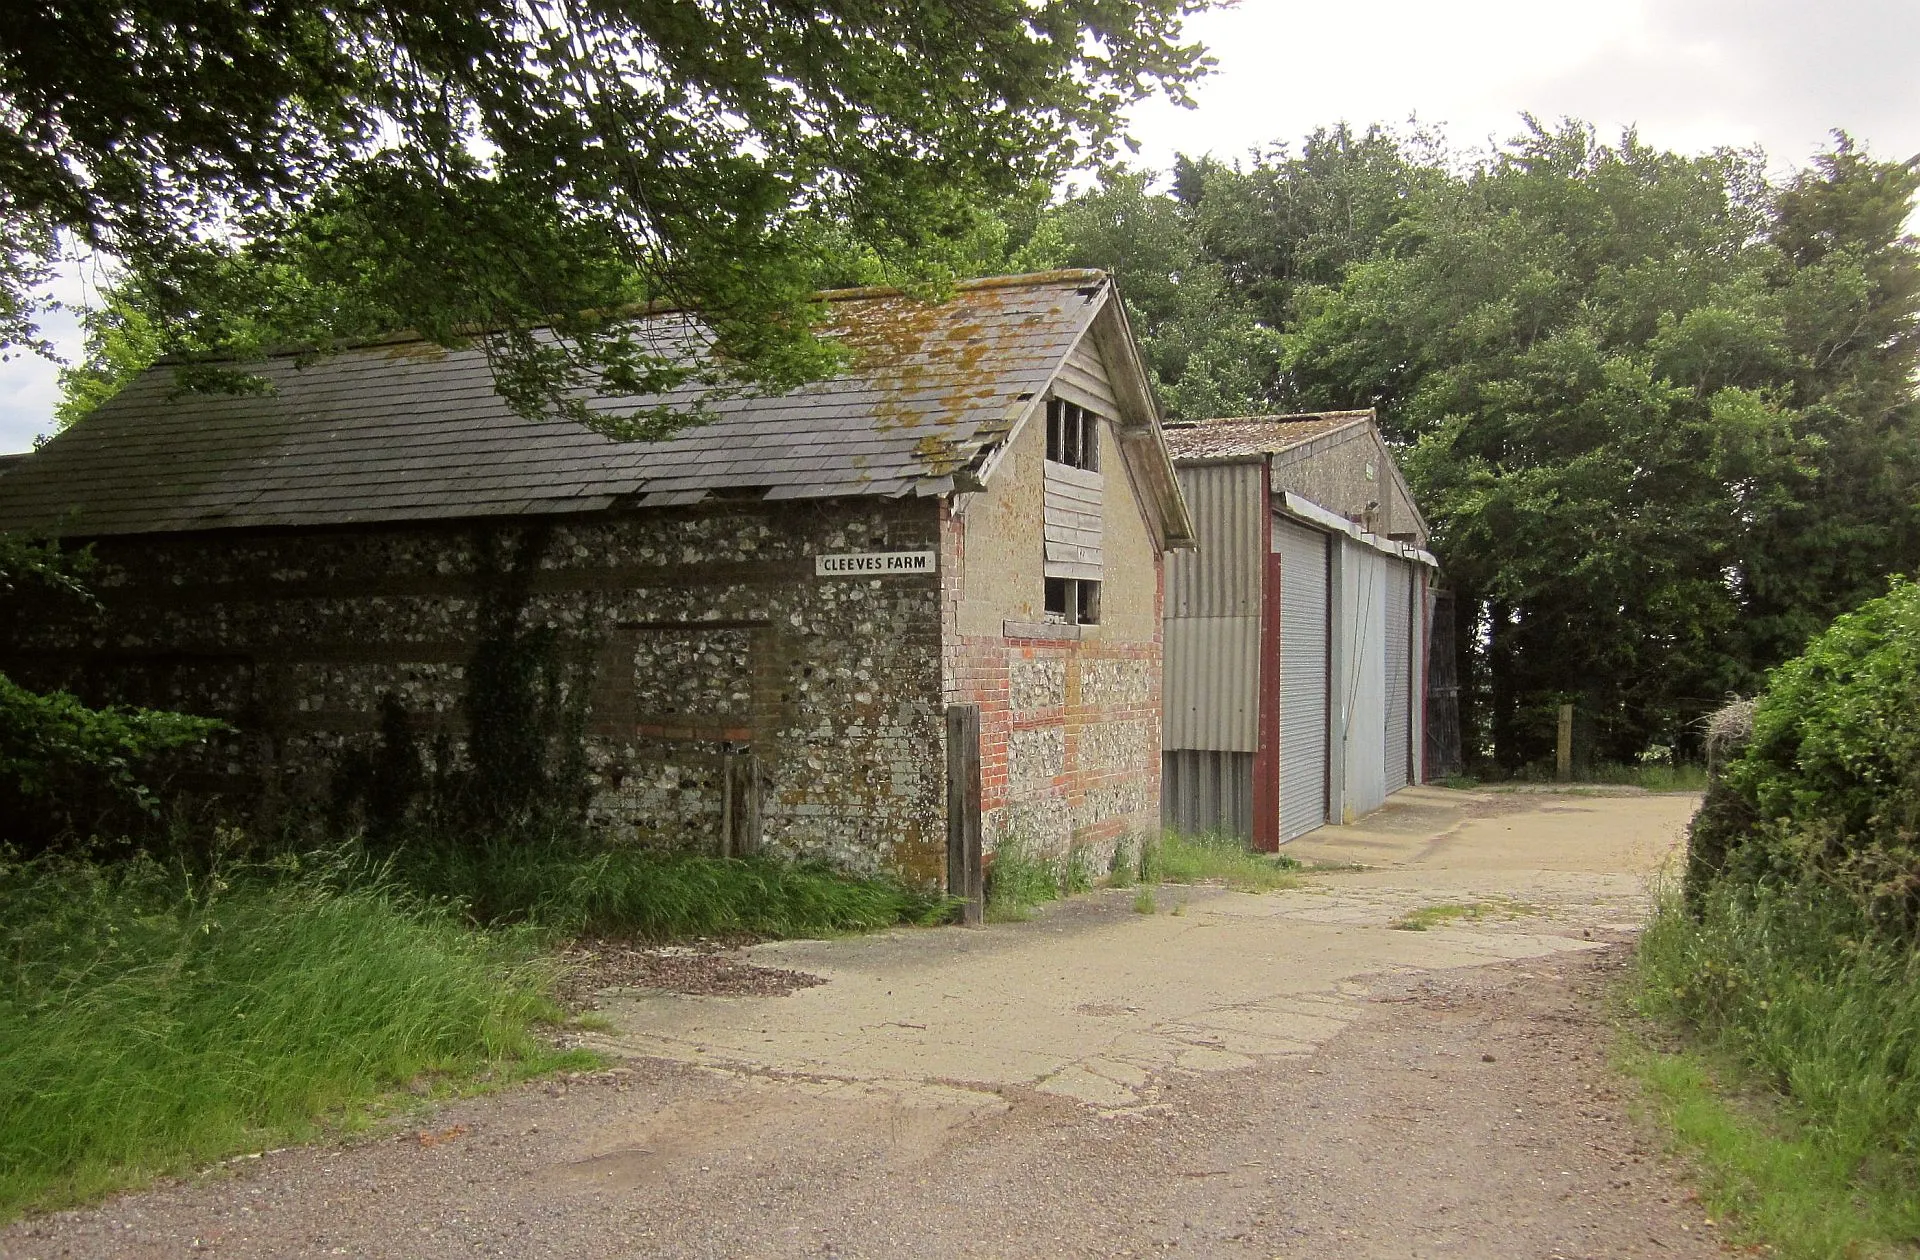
(1077, 876)
(151, 1021)
(578, 886)
(1437, 915)
(1648, 776)
(1215, 858)
(1653, 776)
(1144, 903)
(1019, 879)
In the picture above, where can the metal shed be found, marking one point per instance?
(1296, 636)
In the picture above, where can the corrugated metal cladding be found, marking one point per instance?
(1399, 645)
(1212, 664)
(1359, 676)
(1206, 791)
(1222, 578)
(1199, 709)
(1303, 677)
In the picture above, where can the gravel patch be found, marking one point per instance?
(704, 969)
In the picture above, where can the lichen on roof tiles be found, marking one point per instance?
(1233, 436)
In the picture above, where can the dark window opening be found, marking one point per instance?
(1073, 435)
(1073, 602)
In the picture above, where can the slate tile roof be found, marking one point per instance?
(406, 431)
(1234, 436)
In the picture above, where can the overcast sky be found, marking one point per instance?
(1690, 74)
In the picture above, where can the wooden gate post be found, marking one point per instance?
(1563, 760)
(964, 878)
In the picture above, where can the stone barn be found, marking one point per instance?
(1297, 633)
(753, 631)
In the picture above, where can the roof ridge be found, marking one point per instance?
(1017, 280)
(1291, 417)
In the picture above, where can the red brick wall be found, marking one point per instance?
(1069, 729)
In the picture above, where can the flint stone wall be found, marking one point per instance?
(688, 632)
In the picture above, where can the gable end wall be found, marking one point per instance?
(1070, 726)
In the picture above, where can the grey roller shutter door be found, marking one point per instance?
(1399, 678)
(1303, 677)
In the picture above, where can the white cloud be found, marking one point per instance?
(1690, 74)
(29, 383)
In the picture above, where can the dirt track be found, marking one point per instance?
(1254, 1076)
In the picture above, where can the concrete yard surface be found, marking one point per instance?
(1293, 1073)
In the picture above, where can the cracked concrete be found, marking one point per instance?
(1096, 1003)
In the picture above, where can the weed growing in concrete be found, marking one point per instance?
(1018, 879)
(1143, 902)
(1215, 858)
(1077, 877)
(1427, 917)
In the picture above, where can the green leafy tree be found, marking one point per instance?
(1658, 408)
(1846, 278)
(1286, 220)
(331, 170)
(121, 343)
(1619, 382)
(1207, 348)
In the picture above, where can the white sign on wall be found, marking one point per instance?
(874, 564)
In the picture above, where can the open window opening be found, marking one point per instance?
(1073, 435)
(1073, 602)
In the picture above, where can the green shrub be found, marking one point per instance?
(151, 1020)
(68, 770)
(1831, 775)
(570, 883)
(1724, 821)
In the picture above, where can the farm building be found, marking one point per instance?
(1296, 635)
(757, 626)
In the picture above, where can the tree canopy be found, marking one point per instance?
(282, 173)
(1660, 409)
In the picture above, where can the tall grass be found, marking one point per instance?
(574, 885)
(1215, 858)
(151, 1021)
(1789, 992)
(1654, 776)
(1022, 877)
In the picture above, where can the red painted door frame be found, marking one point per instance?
(1266, 757)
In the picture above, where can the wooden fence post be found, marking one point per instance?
(1563, 759)
(964, 878)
